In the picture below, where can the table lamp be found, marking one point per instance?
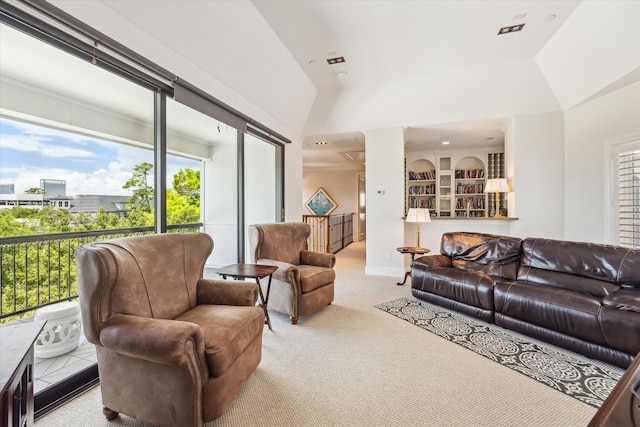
(418, 215)
(497, 186)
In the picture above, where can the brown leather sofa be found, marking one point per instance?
(581, 296)
(173, 348)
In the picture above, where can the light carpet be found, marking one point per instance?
(587, 380)
(352, 364)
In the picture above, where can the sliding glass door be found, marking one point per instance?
(263, 171)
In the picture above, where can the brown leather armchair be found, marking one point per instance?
(173, 348)
(304, 281)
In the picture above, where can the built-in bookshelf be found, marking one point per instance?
(452, 184)
(421, 185)
(469, 178)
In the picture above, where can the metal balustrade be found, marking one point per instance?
(39, 270)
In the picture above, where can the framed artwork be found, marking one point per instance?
(321, 203)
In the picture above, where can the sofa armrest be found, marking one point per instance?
(319, 259)
(226, 292)
(430, 261)
(164, 341)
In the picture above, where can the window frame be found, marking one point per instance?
(612, 203)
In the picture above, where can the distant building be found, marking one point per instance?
(60, 202)
(53, 188)
(92, 203)
(34, 201)
(7, 188)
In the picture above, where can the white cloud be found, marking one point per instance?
(32, 143)
(100, 181)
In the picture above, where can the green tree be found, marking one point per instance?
(103, 220)
(35, 190)
(180, 210)
(142, 191)
(187, 184)
(53, 220)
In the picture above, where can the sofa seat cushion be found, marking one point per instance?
(228, 331)
(313, 277)
(561, 310)
(471, 288)
(625, 299)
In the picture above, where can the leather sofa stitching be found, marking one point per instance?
(601, 328)
(620, 267)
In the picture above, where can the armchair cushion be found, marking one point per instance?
(228, 331)
(312, 277)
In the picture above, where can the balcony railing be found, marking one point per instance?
(38, 270)
(329, 233)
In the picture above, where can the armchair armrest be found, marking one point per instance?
(319, 259)
(164, 341)
(224, 292)
(432, 261)
(286, 272)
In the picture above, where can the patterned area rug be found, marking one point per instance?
(585, 379)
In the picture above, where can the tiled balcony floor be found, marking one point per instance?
(52, 370)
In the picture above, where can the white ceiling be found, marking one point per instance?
(253, 47)
(383, 40)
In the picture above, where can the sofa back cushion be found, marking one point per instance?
(485, 253)
(590, 268)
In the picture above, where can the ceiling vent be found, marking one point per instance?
(336, 60)
(511, 29)
(353, 155)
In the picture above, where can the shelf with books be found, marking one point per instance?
(420, 185)
(469, 178)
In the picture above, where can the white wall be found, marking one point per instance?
(342, 186)
(385, 201)
(589, 128)
(538, 180)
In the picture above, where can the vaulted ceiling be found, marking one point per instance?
(422, 65)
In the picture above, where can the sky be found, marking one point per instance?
(89, 165)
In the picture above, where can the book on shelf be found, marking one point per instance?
(469, 173)
(422, 176)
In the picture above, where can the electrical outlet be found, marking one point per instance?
(387, 255)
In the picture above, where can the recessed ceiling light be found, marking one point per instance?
(321, 143)
(341, 73)
(511, 29)
(337, 60)
(446, 142)
(550, 17)
(312, 62)
(519, 16)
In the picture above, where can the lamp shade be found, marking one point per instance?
(418, 215)
(497, 185)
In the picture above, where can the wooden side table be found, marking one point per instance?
(252, 271)
(413, 252)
